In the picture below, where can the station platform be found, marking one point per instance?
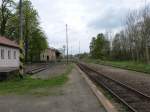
(74, 96)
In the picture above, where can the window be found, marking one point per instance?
(14, 54)
(2, 53)
(9, 54)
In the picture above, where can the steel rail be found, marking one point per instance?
(86, 69)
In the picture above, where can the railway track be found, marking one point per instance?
(37, 69)
(132, 98)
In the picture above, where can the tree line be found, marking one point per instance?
(131, 43)
(35, 40)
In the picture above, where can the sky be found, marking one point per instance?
(85, 19)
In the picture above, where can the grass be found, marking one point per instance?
(28, 84)
(130, 65)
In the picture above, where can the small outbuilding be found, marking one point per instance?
(50, 54)
(9, 53)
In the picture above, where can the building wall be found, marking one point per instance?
(11, 60)
(48, 53)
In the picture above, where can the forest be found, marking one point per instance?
(131, 43)
(35, 40)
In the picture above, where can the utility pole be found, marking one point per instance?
(79, 49)
(67, 40)
(64, 49)
(21, 44)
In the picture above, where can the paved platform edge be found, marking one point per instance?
(102, 99)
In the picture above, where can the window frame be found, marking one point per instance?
(15, 55)
(9, 54)
(2, 54)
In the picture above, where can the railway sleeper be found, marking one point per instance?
(131, 100)
(135, 101)
(141, 107)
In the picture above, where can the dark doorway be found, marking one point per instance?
(47, 58)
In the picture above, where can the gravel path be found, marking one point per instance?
(140, 81)
(74, 96)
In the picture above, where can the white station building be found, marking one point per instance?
(9, 53)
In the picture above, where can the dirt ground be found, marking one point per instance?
(140, 81)
(74, 96)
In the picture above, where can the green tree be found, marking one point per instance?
(34, 38)
(38, 43)
(99, 47)
(6, 9)
(92, 47)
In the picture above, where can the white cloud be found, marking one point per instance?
(85, 18)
